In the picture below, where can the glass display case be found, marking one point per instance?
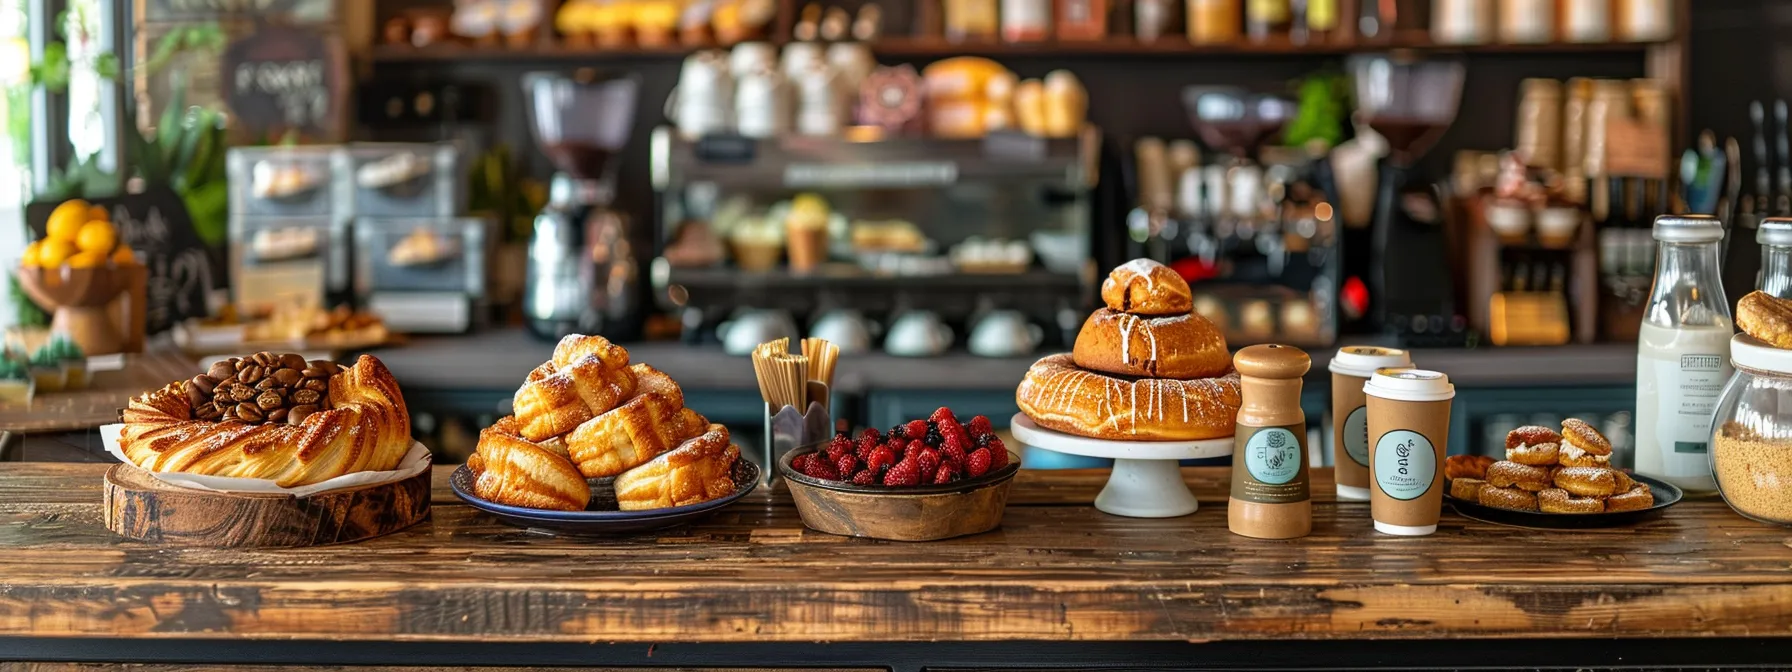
(284, 261)
(284, 182)
(403, 179)
(810, 225)
(423, 274)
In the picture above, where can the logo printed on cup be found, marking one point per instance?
(1356, 435)
(1405, 464)
(1273, 456)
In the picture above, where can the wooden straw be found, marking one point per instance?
(822, 356)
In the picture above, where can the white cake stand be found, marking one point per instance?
(1146, 481)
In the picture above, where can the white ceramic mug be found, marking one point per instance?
(761, 104)
(750, 56)
(752, 327)
(919, 333)
(1005, 333)
(845, 328)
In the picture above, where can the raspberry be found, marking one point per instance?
(881, 459)
(913, 449)
(866, 444)
(871, 433)
(945, 474)
(865, 477)
(979, 427)
(823, 470)
(951, 428)
(942, 414)
(998, 454)
(840, 442)
(802, 462)
(977, 463)
(915, 430)
(954, 450)
(863, 450)
(904, 473)
(929, 460)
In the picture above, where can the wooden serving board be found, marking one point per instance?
(140, 507)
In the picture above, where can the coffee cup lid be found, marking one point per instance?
(1406, 384)
(1363, 360)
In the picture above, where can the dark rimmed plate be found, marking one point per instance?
(603, 519)
(966, 485)
(1666, 495)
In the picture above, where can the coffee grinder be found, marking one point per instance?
(1411, 290)
(583, 276)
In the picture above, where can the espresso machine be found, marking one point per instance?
(1411, 287)
(583, 276)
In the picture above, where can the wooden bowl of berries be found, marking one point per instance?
(925, 480)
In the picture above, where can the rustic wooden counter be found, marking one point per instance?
(100, 402)
(1052, 585)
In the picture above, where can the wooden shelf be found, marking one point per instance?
(918, 47)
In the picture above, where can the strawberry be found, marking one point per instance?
(979, 427)
(942, 415)
(846, 464)
(913, 449)
(865, 477)
(871, 433)
(915, 430)
(881, 459)
(998, 454)
(977, 463)
(929, 461)
(945, 474)
(950, 428)
(905, 473)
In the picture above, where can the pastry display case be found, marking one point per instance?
(423, 274)
(283, 182)
(403, 179)
(286, 260)
(805, 225)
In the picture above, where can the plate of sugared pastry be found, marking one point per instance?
(1554, 480)
(600, 446)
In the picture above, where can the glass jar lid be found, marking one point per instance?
(1688, 229)
(1748, 352)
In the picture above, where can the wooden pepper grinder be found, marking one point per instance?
(1270, 496)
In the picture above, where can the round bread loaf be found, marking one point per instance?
(1145, 287)
(1059, 396)
(1184, 347)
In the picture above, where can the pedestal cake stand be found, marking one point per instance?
(1146, 481)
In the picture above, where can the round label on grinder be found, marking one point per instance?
(1405, 464)
(1273, 456)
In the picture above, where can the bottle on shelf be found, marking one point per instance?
(1527, 21)
(1152, 19)
(971, 20)
(1462, 21)
(1683, 354)
(1320, 21)
(1082, 19)
(1265, 18)
(1586, 21)
(1215, 21)
(1645, 20)
(1026, 20)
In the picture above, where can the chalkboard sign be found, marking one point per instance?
(282, 78)
(156, 226)
(286, 11)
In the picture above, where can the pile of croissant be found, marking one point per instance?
(1551, 472)
(587, 414)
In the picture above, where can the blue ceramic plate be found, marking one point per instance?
(602, 518)
(1666, 495)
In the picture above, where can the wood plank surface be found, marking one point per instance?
(101, 402)
(1057, 569)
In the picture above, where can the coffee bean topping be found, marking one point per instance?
(265, 386)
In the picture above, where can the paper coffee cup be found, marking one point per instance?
(1409, 429)
(1351, 369)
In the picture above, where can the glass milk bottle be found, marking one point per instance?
(1775, 237)
(1683, 354)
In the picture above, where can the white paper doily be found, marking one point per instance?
(415, 461)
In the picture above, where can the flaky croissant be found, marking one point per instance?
(698, 470)
(509, 469)
(366, 428)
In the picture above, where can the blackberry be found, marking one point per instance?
(898, 432)
(982, 440)
(933, 434)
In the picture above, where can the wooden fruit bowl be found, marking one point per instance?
(81, 298)
(920, 513)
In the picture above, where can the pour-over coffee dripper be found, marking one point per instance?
(1411, 104)
(582, 276)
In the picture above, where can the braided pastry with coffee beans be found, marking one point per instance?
(272, 423)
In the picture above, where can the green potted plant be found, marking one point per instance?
(47, 371)
(74, 361)
(16, 387)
